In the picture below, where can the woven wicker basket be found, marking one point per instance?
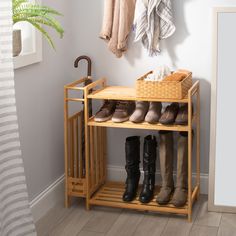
(162, 89)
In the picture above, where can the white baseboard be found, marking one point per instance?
(54, 194)
(118, 173)
(51, 196)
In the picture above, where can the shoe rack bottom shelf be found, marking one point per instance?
(110, 194)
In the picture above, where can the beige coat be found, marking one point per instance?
(117, 24)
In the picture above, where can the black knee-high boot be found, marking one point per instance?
(149, 168)
(132, 151)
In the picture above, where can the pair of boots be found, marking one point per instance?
(148, 111)
(166, 165)
(132, 150)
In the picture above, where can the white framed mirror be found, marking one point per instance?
(31, 44)
(222, 178)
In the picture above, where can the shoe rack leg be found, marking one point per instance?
(86, 114)
(190, 159)
(67, 198)
(198, 142)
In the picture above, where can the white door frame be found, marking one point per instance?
(211, 196)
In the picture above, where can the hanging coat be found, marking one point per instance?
(117, 23)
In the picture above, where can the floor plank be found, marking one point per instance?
(102, 220)
(151, 224)
(178, 225)
(126, 224)
(227, 225)
(89, 233)
(73, 223)
(198, 230)
(206, 218)
(51, 219)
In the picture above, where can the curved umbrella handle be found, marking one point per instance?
(78, 59)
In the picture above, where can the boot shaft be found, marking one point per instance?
(132, 154)
(182, 161)
(132, 149)
(149, 154)
(166, 149)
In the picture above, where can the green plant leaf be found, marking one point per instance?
(37, 15)
(46, 35)
(28, 8)
(16, 3)
(46, 20)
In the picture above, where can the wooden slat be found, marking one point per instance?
(75, 99)
(75, 88)
(93, 179)
(76, 147)
(195, 193)
(72, 149)
(66, 145)
(74, 194)
(104, 152)
(144, 125)
(75, 83)
(99, 138)
(87, 154)
(198, 148)
(80, 149)
(76, 180)
(96, 169)
(190, 144)
(76, 188)
(138, 207)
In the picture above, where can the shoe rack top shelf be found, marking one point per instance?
(126, 93)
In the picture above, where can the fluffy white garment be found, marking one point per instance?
(158, 74)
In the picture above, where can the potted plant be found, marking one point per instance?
(36, 15)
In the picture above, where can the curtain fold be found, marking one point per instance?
(15, 213)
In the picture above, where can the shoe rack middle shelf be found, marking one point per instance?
(143, 125)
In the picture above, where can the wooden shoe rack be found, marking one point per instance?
(87, 177)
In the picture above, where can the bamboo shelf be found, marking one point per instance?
(143, 125)
(126, 93)
(87, 176)
(110, 194)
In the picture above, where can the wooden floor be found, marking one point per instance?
(101, 221)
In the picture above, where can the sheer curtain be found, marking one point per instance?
(15, 214)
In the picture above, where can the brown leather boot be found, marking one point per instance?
(181, 190)
(166, 166)
(106, 111)
(123, 111)
(169, 115)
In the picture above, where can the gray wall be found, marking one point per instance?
(39, 88)
(39, 95)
